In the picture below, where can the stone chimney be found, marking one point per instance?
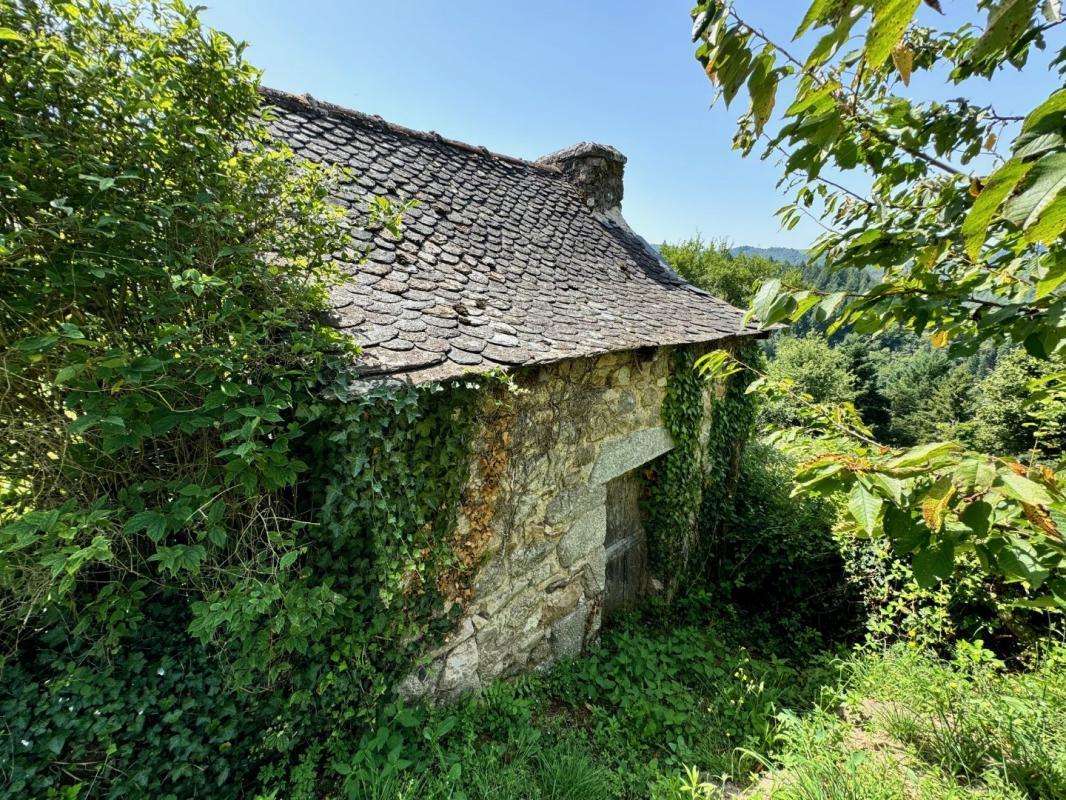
(595, 169)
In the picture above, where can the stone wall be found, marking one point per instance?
(536, 505)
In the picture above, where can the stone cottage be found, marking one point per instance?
(527, 267)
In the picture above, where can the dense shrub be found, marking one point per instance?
(777, 557)
(712, 267)
(1008, 421)
(158, 718)
(187, 607)
(814, 372)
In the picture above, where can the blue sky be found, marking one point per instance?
(526, 78)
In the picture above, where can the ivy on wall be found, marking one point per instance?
(731, 423)
(693, 482)
(314, 650)
(393, 465)
(674, 501)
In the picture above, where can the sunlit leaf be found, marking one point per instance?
(921, 455)
(999, 186)
(1020, 560)
(891, 18)
(1054, 278)
(762, 86)
(1007, 21)
(1045, 181)
(1024, 490)
(935, 502)
(903, 59)
(814, 13)
(864, 507)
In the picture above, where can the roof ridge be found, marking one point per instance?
(306, 101)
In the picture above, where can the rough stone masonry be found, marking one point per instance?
(573, 427)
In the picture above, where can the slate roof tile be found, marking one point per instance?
(502, 262)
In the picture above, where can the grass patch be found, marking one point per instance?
(675, 709)
(906, 724)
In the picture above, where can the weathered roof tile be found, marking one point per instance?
(502, 262)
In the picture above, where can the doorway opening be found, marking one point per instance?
(626, 545)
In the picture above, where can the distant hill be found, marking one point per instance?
(789, 255)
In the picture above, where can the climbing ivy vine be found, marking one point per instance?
(732, 421)
(694, 480)
(674, 500)
(216, 551)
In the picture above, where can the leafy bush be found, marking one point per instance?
(776, 556)
(710, 266)
(159, 719)
(163, 265)
(1007, 421)
(814, 372)
(965, 605)
(189, 609)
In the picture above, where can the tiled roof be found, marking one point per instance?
(501, 264)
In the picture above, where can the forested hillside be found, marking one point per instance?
(788, 255)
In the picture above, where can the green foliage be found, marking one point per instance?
(677, 491)
(1007, 422)
(813, 371)
(970, 259)
(153, 718)
(712, 267)
(669, 705)
(189, 608)
(969, 604)
(776, 556)
(282, 695)
(904, 724)
(974, 721)
(864, 362)
(694, 481)
(163, 264)
(656, 693)
(929, 397)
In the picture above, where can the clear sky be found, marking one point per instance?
(528, 77)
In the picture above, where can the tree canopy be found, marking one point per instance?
(961, 228)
